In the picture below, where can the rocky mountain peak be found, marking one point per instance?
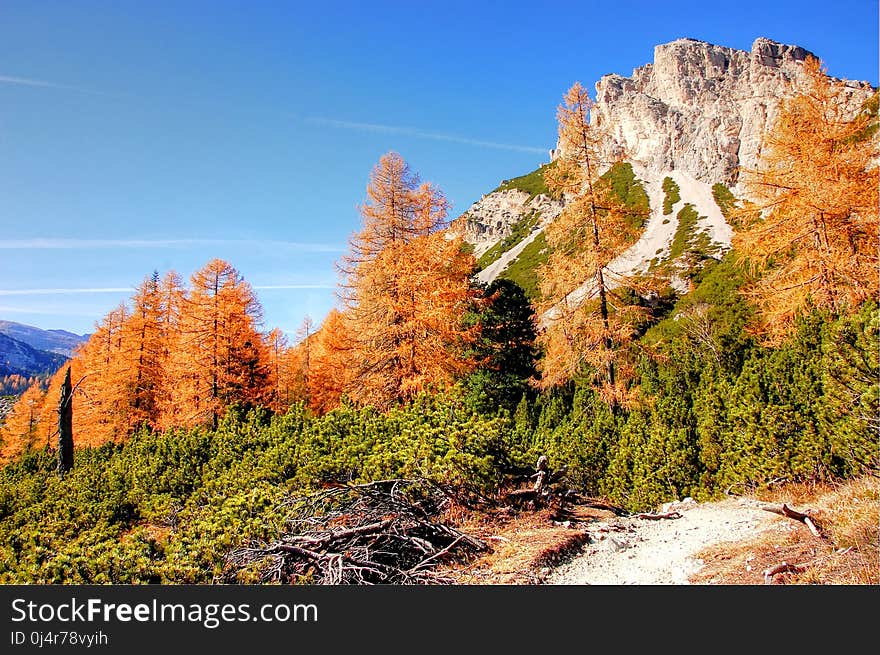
(696, 115)
(700, 107)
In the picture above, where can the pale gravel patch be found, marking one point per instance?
(659, 231)
(496, 268)
(632, 551)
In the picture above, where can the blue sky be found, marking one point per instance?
(138, 136)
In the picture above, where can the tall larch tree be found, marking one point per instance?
(811, 233)
(102, 401)
(144, 353)
(406, 290)
(285, 372)
(586, 322)
(220, 358)
(301, 356)
(171, 297)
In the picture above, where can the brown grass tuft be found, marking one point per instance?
(525, 545)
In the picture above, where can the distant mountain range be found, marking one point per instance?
(53, 341)
(29, 351)
(18, 358)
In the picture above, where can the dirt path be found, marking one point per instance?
(637, 551)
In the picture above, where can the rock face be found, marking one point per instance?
(701, 108)
(492, 217)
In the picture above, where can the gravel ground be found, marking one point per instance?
(644, 552)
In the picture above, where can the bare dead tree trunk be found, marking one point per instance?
(65, 426)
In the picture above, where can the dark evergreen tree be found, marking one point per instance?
(505, 350)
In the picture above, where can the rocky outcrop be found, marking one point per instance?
(701, 108)
(493, 216)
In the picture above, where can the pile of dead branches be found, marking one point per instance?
(383, 532)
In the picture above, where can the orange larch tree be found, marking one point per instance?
(220, 358)
(102, 399)
(586, 322)
(143, 354)
(810, 232)
(330, 357)
(285, 372)
(171, 297)
(301, 357)
(406, 290)
(20, 431)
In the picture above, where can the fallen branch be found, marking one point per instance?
(598, 504)
(373, 528)
(659, 515)
(730, 490)
(381, 532)
(813, 527)
(784, 567)
(785, 510)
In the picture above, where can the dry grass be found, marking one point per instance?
(849, 516)
(524, 545)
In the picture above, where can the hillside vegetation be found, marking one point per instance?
(719, 410)
(524, 269)
(533, 183)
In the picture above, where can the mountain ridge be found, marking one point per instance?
(56, 341)
(19, 358)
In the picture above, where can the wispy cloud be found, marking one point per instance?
(94, 244)
(7, 309)
(421, 134)
(60, 292)
(26, 81)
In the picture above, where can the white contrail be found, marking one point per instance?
(60, 291)
(26, 81)
(6, 309)
(422, 134)
(89, 244)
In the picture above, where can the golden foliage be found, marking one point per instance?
(174, 358)
(329, 372)
(810, 234)
(20, 429)
(220, 358)
(587, 322)
(406, 289)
